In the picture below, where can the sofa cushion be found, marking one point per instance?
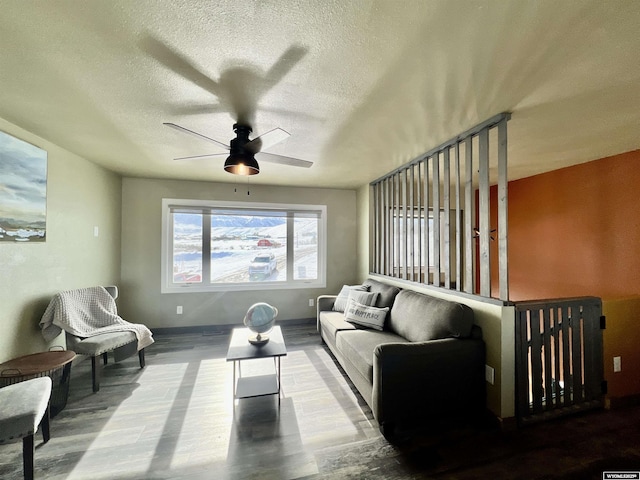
(366, 315)
(357, 346)
(387, 292)
(333, 322)
(419, 317)
(341, 300)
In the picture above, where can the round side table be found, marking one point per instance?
(54, 364)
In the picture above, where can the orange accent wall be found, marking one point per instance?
(576, 232)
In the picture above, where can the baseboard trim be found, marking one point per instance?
(505, 425)
(221, 329)
(509, 424)
(622, 402)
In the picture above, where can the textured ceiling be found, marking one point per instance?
(363, 86)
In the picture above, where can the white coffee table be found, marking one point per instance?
(240, 349)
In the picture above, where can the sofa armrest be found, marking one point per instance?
(324, 303)
(430, 378)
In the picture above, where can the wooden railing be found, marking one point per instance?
(559, 366)
(426, 217)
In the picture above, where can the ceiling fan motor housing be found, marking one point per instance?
(242, 135)
(241, 160)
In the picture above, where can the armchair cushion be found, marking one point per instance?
(98, 344)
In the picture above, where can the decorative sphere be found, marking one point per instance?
(260, 317)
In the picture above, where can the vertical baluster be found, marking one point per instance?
(390, 232)
(503, 271)
(420, 259)
(469, 264)
(436, 219)
(557, 356)
(427, 215)
(522, 370)
(411, 220)
(396, 235)
(566, 356)
(458, 234)
(536, 360)
(446, 197)
(484, 213)
(404, 242)
(576, 357)
(548, 372)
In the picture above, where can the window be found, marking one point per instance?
(212, 246)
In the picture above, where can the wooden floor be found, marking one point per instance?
(176, 419)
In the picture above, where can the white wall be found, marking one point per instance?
(140, 298)
(80, 196)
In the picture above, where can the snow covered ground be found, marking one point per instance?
(234, 246)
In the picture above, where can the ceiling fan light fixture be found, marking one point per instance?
(241, 164)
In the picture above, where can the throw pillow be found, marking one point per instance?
(365, 298)
(341, 300)
(366, 316)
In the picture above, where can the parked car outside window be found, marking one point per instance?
(263, 265)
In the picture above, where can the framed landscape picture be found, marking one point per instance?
(23, 191)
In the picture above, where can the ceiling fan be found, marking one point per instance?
(239, 88)
(241, 159)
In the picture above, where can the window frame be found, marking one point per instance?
(166, 249)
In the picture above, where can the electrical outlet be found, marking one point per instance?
(617, 364)
(179, 310)
(489, 374)
(311, 302)
(96, 231)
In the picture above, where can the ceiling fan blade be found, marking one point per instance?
(202, 156)
(267, 140)
(178, 63)
(282, 160)
(195, 134)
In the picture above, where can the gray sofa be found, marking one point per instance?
(426, 364)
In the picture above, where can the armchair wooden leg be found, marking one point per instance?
(141, 357)
(96, 371)
(28, 451)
